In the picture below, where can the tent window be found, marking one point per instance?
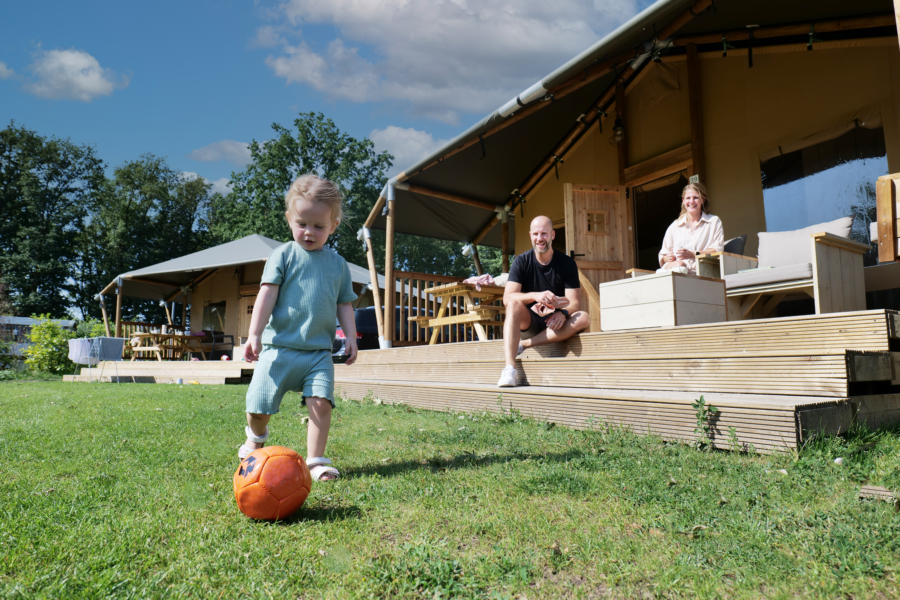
(825, 181)
(596, 222)
(214, 316)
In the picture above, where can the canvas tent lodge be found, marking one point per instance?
(215, 288)
(789, 113)
(754, 98)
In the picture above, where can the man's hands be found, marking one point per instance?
(555, 321)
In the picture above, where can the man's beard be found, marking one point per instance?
(542, 249)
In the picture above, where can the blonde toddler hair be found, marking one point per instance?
(315, 189)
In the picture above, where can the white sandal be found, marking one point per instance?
(319, 467)
(244, 451)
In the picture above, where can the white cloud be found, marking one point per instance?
(6, 72)
(442, 57)
(407, 145)
(222, 185)
(237, 153)
(72, 75)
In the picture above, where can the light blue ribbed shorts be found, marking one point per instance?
(281, 370)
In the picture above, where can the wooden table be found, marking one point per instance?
(478, 311)
(162, 342)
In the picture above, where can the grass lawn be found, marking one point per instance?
(125, 491)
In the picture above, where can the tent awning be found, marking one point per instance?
(489, 169)
(166, 280)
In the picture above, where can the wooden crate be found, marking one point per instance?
(661, 300)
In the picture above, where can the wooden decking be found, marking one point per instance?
(212, 372)
(775, 381)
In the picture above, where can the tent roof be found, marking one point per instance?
(162, 280)
(490, 172)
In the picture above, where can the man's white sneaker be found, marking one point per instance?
(520, 349)
(508, 378)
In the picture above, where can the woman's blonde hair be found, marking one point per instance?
(700, 189)
(315, 189)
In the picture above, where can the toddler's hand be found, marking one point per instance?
(351, 350)
(252, 349)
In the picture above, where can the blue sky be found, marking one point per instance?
(196, 81)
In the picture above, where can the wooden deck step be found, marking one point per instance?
(124, 369)
(866, 330)
(768, 422)
(178, 365)
(111, 378)
(802, 375)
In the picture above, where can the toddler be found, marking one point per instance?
(303, 287)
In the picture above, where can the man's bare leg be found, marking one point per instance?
(517, 319)
(577, 321)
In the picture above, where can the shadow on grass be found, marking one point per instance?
(467, 460)
(325, 514)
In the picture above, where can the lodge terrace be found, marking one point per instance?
(788, 113)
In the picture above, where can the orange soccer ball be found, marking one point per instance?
(272, 483)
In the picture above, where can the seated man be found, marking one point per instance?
(542, 299)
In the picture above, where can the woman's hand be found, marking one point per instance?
(684, 254)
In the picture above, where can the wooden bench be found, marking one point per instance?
(834, 278)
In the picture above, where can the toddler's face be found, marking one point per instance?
(311, 223)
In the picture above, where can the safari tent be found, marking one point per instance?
(215, 288)
(789, 113)
(786, 111)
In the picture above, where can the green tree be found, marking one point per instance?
(47, 189)
(149, 213)
(316, 145)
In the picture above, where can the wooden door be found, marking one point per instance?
(245, 306)
(600, 235)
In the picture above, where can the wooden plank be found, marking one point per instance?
(661, 162)
(886, 208)
(591, 299)
(698, 152)
(821, 278)
(621, 147)
(390, 293)
(848, 24)
(877, 492)
(606, 265)
(825, 420)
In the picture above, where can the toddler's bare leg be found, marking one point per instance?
(319, 425)
(257, 425)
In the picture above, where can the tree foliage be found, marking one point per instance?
(48, 187)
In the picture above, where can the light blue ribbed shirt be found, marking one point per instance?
(312, 285)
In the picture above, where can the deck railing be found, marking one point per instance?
(411, 298)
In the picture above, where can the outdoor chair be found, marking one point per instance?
(820, 262)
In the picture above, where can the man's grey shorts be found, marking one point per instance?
(281, 370)
(538, 324)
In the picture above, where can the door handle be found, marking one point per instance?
(573, 255)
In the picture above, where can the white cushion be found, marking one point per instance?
(784, 248)
(765, 276)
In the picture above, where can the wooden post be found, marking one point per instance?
(698, 153)
(897, 15)
(119, 310)
(623, 145)
(376, 292)
(390, 288)
(475, 256)
(504, 246)
(886, 207)
(105, 316)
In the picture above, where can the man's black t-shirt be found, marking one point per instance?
(558, 276)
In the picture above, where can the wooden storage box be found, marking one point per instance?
(661, 300)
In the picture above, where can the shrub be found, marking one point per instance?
(49, 348)
(90, 327)
(6, 360)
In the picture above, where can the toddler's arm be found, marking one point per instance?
(348, 324)
(262, 310)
